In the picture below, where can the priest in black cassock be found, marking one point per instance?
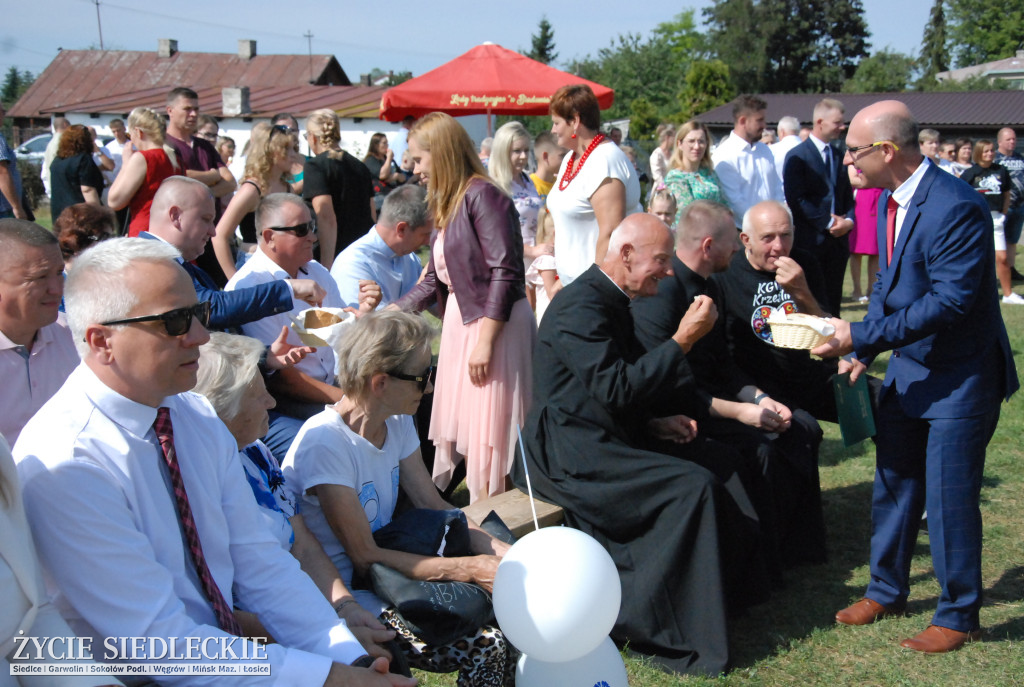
(604, 439)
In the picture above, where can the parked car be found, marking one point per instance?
(34, 149)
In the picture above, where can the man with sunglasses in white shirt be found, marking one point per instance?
(139, 508)
(286, 235)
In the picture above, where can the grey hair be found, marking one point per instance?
(227, 364)
(500, 165)
(790, 124)
(95, 290)
(271, 205)
(748, 222)
(21, 231)
(407, 204)
(383, 341)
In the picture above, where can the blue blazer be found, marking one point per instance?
(809, 196)
(231, 309)
(936, 306)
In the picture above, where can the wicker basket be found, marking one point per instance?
(796, 331)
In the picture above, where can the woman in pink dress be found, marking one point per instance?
(147, 161)
(864, 237)
(476, 275)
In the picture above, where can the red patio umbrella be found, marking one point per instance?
(489, 79)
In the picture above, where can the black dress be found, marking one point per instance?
(677, 535)
(349, 184)
(67, 177)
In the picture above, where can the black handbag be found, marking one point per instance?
(436, 612)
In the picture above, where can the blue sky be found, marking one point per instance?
(413, 35)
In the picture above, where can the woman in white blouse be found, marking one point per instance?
(596, 187)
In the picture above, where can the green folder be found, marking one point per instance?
(853, 405)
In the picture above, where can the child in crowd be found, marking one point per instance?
(663, 206)
(548, 155)
(542, 274)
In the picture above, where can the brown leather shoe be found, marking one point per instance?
(939, 640)
(864, 612)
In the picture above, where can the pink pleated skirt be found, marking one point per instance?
(480, 424)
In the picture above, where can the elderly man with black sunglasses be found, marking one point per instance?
(286, 234)
(137, 503)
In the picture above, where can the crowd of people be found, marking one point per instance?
(188, 466)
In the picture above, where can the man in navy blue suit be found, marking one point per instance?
(818, 193)
(934, 306)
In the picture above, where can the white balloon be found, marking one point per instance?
(602, 667)
(556, 594)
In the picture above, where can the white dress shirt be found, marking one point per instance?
(780, 148)
(98, 498)
(30, 378)
(260, 269)
(904, 193)
(746, 173)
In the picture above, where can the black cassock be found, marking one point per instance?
(678, 538)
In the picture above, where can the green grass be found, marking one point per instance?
(793, 640)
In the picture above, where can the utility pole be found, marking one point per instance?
(309, 41)
(98, 24)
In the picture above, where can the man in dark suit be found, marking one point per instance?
(596, 442)
(934, 306)
(819, 195)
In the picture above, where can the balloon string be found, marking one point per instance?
(529, 487)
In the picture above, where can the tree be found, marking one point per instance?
(734, 39)
(653, 69)
(934, 53)
(15, 84)
(543, 49)
(788, 46)
(985, 30)
(883, 72)
(707, 86)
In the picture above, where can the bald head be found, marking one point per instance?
(639, 254)
(1007, 141)
(889, 120)
(884, 138)
(182, 214)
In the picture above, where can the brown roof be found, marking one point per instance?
(346, 101)
(982, 110)
(102, 76)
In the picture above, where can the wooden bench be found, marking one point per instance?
(513, 507)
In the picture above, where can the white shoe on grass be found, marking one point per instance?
(1013, 299)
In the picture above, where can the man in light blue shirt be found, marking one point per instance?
(386, 254)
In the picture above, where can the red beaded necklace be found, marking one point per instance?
(569, 173)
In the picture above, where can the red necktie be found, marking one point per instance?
(890, 227)
(165, 434)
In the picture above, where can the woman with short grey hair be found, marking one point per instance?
(230, 379)
(346, 466)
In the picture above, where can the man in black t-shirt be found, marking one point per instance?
(764, 277)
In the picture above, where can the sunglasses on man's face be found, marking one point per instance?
(299, 230)
(177, 322)
(422, 379)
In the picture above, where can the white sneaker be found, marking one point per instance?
(1013, 299)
